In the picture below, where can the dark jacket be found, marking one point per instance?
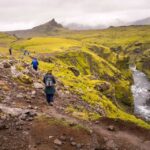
(49, 90)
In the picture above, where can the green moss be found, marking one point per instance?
(25, 79)
(60, 122)
(143, 64)
(82, 113)
(123, 92)
(114, 112)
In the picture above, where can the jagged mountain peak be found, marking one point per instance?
(53, 21)
(50, 24)
(49, 28)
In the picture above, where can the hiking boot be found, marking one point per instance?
(50, 104)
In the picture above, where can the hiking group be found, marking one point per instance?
(49, 81)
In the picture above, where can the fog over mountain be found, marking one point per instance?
(145, 21)
(25, 14)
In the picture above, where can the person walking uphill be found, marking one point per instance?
(10, 51)
(49, 81)
(35, 64)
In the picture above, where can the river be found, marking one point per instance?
(141, 93)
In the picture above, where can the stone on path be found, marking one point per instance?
(38, 85)
(57, 142)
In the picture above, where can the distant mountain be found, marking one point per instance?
(145, 21)
(102, 25)
(53, 28)
(51, 25)
(49, 28)
(75, 26)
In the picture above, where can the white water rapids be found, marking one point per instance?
(141, 93)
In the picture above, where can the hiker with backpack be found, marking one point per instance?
(49, 81)
(35, 64)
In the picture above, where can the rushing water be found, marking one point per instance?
(141, 93)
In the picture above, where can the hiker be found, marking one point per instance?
(25, 52)
(10, 51)
(28, 53)
(35, 64)
(49, 81)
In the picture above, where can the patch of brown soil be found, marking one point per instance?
(129, 127)
(43, 135)
(12, 135)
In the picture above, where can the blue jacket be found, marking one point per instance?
(35, 63)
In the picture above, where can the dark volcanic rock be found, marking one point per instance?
(74, 70)
(102, 86)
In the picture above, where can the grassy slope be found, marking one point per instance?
(76, 49)
(125, 38)
(5, 41)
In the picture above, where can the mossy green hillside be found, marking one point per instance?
(143, 63)
(45, 45)
(86, 61)
(123, 42)
(5, 42)
(84, 86)
(95, 67)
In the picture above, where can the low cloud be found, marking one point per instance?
(21, 14)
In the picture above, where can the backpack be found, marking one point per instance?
(49, 81)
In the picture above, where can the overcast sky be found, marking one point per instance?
(22, 14)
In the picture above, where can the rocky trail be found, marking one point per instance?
(28, 123)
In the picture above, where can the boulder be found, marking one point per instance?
(11, 111)
(33, 92)
(63, 138)
(28, 115)
(111, 128)
(38, 85)
(57, 142)
(73, 143)
(20, 95)
(6, 64)
(138, 44)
